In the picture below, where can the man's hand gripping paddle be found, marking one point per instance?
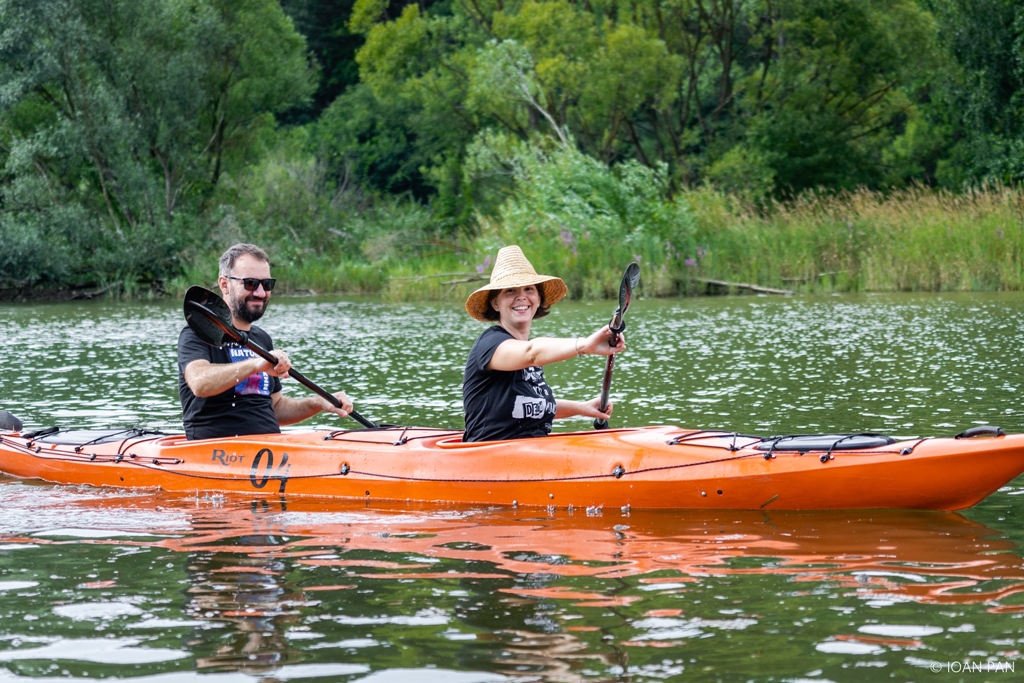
(630, 279)
(210, 318)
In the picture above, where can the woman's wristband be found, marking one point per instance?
(576, 345)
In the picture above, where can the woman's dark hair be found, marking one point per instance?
(491, 314)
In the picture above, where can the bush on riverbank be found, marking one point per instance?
(574, 217)
(911, 240)
(392, 148)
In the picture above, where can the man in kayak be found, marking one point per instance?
(503, 389)
(231, 391)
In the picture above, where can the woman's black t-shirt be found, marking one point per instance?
(504, 405)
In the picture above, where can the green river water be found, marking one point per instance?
(142, 586)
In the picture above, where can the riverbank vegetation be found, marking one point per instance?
(390, 147)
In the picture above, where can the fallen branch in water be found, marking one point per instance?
(415, 278)
(742, 285)
(474, 278)
(814, 277)
(95, 293)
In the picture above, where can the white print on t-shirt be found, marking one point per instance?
(529, 407)
(258, 383)
(533, 375)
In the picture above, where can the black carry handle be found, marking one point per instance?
(213, 328)
(983, 430)
(630, 279)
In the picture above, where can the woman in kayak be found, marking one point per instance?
(503, 390)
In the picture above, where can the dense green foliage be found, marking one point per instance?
(788, 95)
(364, 139)
(119, 120)
(983, 87)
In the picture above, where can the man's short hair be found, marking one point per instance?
(228, 258)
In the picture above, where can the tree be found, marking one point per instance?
(117, 115)
(324, 23)
(802, 93)
(982, 88)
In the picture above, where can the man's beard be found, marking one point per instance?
(241, 310)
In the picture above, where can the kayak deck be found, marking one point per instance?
(650, 467)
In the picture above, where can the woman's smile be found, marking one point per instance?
(516, 307)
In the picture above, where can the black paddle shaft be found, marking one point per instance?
(243, 339)
(606, 382)
(630, 279)
(213, 329)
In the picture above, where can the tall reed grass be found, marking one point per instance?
(909, 240)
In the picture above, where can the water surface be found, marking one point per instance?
(149, 587)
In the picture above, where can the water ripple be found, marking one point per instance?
(903, 364)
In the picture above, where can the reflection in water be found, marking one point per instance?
(244, 586)
(926, 556)
(281, 584)
(558, 657)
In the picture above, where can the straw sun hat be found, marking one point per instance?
(511, 269)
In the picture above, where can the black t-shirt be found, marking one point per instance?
(243, 409)
(503, 405)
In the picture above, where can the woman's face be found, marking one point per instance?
(517, 305)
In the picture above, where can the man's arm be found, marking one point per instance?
(291, 410)
(207, 379)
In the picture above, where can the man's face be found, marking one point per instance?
(247, 306)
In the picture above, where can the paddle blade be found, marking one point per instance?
(209, 317)
(630, 279)
(9, 423)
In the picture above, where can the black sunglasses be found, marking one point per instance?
(251, 284)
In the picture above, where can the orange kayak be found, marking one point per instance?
(650, 467)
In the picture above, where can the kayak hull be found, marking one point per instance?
(661, 467)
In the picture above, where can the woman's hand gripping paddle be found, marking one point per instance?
(630, 279)
(209, 317)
